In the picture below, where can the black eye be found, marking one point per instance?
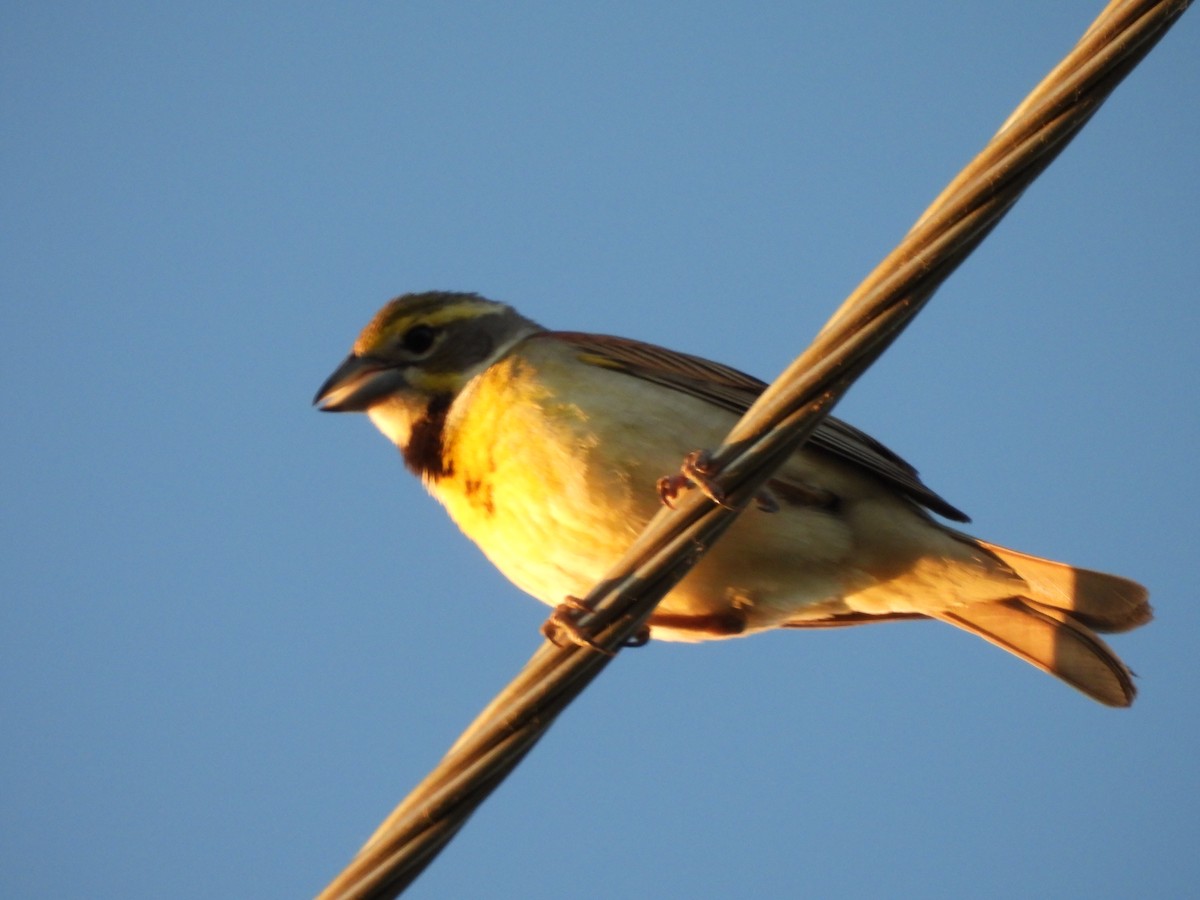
(418, 339)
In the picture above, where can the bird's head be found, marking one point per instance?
(420, 349)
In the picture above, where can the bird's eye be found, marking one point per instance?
(418, 339)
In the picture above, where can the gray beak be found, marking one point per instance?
(357, 384)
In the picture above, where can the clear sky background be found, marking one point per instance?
(235, 632)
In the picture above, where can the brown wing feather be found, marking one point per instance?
(735, 391)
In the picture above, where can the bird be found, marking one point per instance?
(549, 449)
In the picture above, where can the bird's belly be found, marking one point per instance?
(553, 517)
(553, 506)
(767, 569)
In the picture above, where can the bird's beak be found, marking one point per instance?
(358, 383)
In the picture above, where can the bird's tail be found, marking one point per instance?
(1054, 626)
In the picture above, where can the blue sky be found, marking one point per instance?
(235, 632)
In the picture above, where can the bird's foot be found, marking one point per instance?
(561, 628)
(697, 471)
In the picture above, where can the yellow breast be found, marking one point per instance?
(530, 483)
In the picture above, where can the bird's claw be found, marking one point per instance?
(561, 626)
(639, 638)
(696, 471)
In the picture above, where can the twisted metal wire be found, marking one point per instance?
(775, 426)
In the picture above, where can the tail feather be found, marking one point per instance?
(1051, 639)
(1050, 620)
(1101, 602)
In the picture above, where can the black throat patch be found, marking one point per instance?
(425, 452)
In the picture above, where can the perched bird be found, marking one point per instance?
(546, 448)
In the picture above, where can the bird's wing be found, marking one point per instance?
(735, 391)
